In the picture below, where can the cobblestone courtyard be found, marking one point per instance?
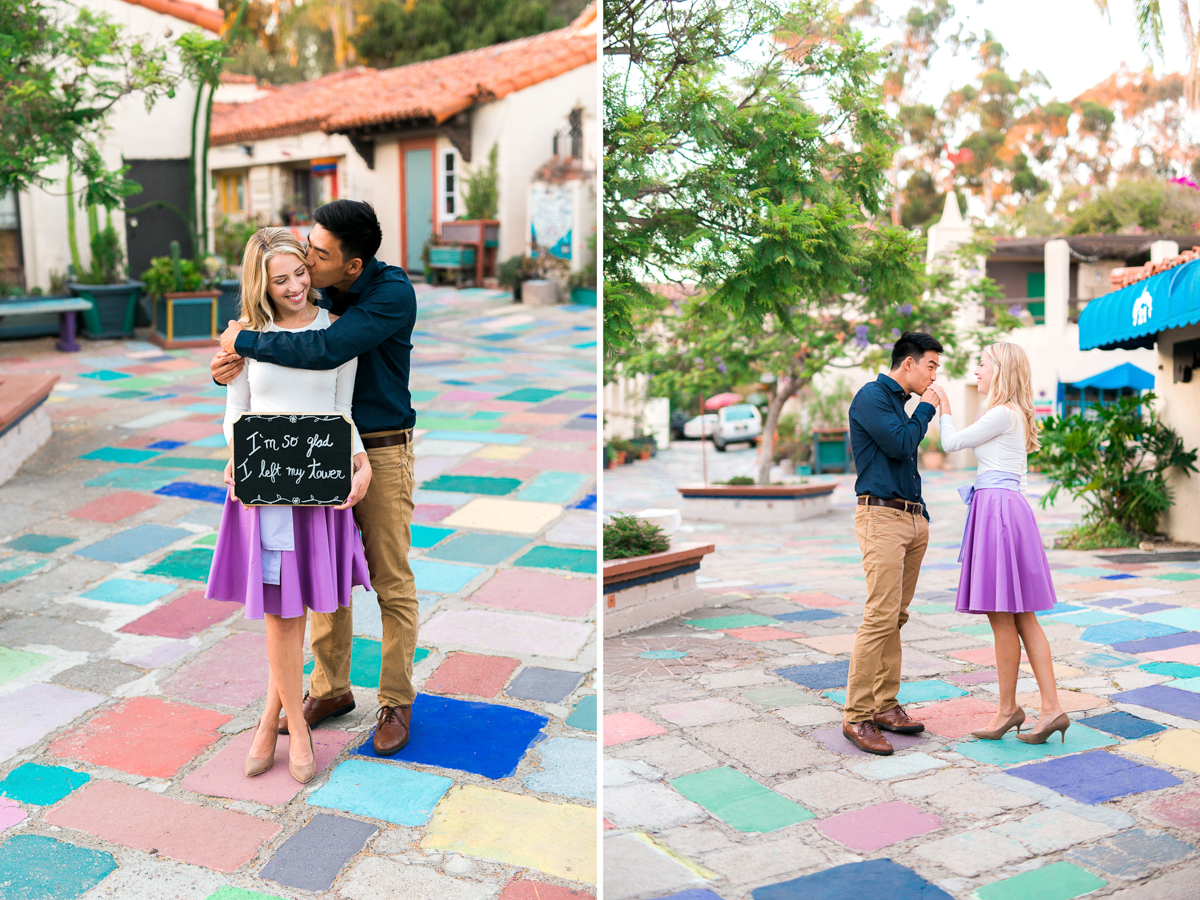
(126, 697)
(726, 774)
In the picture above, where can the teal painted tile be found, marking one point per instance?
(120, 455)
(192, 565)
(1091, 617)
(481, 549)
(366, 658)
(583, 716)
(740, 801)
(423, 396)
(129, 592)
(1087, 572)
(136, 479)
(18, 662)
(913, 692)
(129, 395)
(442, 578)
(437, 420)
(553, 487)
(472, 484)
(40, 868)
(39, 543)
(725, 623)
(1178, 576)
(1057, 881)
(428, 535)
(187, 462)
(213, 440)
(41, 785)
(530, 395)
(209, 540)
(211, 409)
(976, 630)
(484, 437)
(380, 791)
(931, 609)
(1175, 670)
(1008, 751)
(1187, 684)
(103, 375)
(489, 416)
(1187, 619)
(544, 557)
(15, 567)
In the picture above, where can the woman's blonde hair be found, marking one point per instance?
(1012, 386)
(257, 311)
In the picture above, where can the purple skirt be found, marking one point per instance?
(319, 574)
(1004, 567)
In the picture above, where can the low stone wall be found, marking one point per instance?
(645, 590)
(24, 422)
(756, 504)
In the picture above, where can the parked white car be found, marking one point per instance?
(731, 425)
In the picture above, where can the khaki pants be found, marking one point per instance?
(893, 544)
(384, 516)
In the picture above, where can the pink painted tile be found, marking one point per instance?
(232, 672)
(114, 507)
(218, 839)
(478, 467)
(703, 712)
(429, 512)
(818, 600)
(564, 436)
(182, 617)
(501, 406)
(762, 633)
(537, 890)
(628, 726)
(10, 813)
(562, 460)
(461, 396)
(879, 826)
(174, 365)
(1177, 810)
(469, 673)
(537, 592)
(1189, 654)
(185, 430)
(957, 717)
(225, 776)
(144, 736)
(519, 472)
(980, 656)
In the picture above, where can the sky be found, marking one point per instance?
(1070, 41)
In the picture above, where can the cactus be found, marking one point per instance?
(176, 265)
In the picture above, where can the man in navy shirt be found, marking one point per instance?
(892, 526)
(377, 308)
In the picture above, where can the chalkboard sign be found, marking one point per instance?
(292, 459)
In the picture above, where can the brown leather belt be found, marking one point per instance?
(906, 505)
(392, 440)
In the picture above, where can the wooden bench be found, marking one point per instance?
(24, 424)
(66, 307)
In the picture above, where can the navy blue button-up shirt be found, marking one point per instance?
(885, 439)
(376, 322)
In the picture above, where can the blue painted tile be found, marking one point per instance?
(546, 685)
(1142, 608)
(1095, 777)
(312, 858)
(553, 487)
(1008, 751)
(120, 455)
(1133, 854)
(428, 535)
(913, 692)
(135, 479)
(165, 445)
(1061, 608)
(212, 409)
(1121, 576)
(693, 894)
(1110, 660)
(808, 615)
(133, 543)
(583, 716)
(1090, 617)
(392, 793)
(588, 502)
(481, 549)
(1123, 632)
(819, 676)
(1185, 704)
(131, 593)
(1122, 724)
(41, 785)
(442, 578)
(568, 769)
(189, 490)
(873, 878)
(1168, 642)
(40, 868)
(484, 738)
(1110, 602)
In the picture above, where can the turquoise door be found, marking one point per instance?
(418, 206)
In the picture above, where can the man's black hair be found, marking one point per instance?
(354, 224)
(915, 344)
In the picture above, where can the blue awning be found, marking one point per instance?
(1122, 376)
(1134, 315)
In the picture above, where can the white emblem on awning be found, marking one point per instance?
(1142, 308)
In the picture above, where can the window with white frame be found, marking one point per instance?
(450, 175)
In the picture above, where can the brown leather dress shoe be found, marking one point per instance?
(866, 736)
(392, 729)
(897, 720)
(317, 711)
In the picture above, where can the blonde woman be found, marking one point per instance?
(1005, 574)
(281, 561)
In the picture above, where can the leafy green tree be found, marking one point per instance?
(1133, 207)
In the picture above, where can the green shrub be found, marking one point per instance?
(481, 190)
(739, 479)
(107, 259)
(629, 536)
(1096, 536)
(172, 275)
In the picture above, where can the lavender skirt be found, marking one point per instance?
(1004, 567)
(318, 575)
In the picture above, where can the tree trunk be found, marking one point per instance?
(767, 445)
(703, 441)
(72, 238)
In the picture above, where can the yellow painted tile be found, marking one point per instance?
(556, 838)
(1177, 747)
(501, 451)
(495, 514)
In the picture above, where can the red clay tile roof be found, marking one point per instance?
(1128, 275)
(431, 91)
(210, 19)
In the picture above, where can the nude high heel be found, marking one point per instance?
(1060, 724)
(1016, 720)
(306, 773)
(254, 765)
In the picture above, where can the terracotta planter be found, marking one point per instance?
(933, 460)
(756, 503)
(645, 453)
(619, 455)
(644, 590)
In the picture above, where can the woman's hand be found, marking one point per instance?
(360, 482)
(943, 397)
(228, 475)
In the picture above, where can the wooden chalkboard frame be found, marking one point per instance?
(343, 484)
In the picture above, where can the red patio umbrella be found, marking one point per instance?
(726, 399)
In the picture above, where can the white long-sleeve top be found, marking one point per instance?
(997, 437)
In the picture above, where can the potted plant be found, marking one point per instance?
(621, 448)
(932, 457)
(185, 308)
(583, 283)
(113, 297)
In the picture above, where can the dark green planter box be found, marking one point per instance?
(583, 296)
(114, 308)
(186, 319)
